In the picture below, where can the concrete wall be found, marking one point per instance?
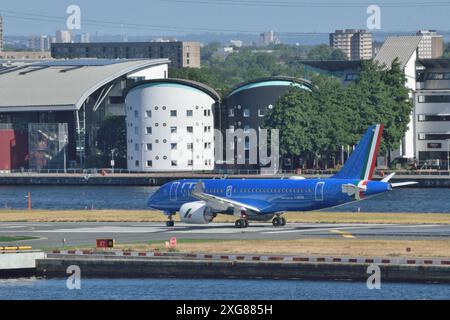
(23, 260)
(140, 268)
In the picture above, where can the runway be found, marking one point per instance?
(51, 235)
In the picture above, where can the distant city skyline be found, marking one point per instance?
(180, 17)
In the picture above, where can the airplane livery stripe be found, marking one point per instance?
(367, 158)
(377, 148)
(372, 153)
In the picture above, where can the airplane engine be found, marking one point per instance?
(196, 213)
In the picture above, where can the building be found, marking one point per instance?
(236, 43)
(432, 112)
(428, 137)
(40, 43)
(63, 36)
(1, 33)
(268, 38)
(432, 44)
(245, 107)
(170, 126)
(356, 44)
(24, 56)
(181, 54)
(75, 93)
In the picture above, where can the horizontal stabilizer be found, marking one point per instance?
(402, 184)
(388, 178)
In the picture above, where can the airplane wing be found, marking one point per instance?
(221, 203)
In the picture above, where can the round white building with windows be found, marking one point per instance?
(170, 126)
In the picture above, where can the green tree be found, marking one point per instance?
(113, 135)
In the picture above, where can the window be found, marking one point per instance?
(434, 99)
(148, 130)
(173, 146)
(136, 147)
(190, 163)
(137, 163)
(136, 114)
(246, 113)
(426, 117)
(207, 129)
(207, 113)
(207, 145)
(190, 129)
(173, 129)
(149, 147)
(173, 113)
(231, 112)
(247, 145)
(148, 114)
(136, 130)
(116, 100)
(149, 163)
(438, 76)
(190, 146)
(434, 136)
(189, 113)
(174, 163)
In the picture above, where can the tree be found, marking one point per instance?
(324, 52)
(113, 135)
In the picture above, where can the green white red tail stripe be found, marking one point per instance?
(372, 153)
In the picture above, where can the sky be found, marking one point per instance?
(165, 17)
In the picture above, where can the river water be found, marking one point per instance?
(105, 197)
(180, 289)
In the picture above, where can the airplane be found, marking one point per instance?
(200, 201)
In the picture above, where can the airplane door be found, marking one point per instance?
(319, 191)
(173, 191)
(229, 191)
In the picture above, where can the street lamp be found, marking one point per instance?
(112, 159)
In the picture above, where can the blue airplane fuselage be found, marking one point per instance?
(281, 194)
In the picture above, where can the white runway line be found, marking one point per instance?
(105, 229)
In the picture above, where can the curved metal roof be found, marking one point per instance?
(62, 84)
(188, 83)
(269, 81)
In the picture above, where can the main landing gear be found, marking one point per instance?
(242, 223)
(170, 223)
(279, 221)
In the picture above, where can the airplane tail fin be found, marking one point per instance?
(361, 163)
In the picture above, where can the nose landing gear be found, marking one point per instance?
(170, 222)
(242, 223)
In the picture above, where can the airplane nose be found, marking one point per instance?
(153, 199)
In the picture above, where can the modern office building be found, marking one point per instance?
(245, 107)
(170, 126)
(356, 44)
(432, 44)
(75, 93)
(181, 54)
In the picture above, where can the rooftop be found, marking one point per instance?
(61, 84)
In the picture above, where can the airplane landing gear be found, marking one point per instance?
(170, 223)
(279, 221)
(242, 222)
